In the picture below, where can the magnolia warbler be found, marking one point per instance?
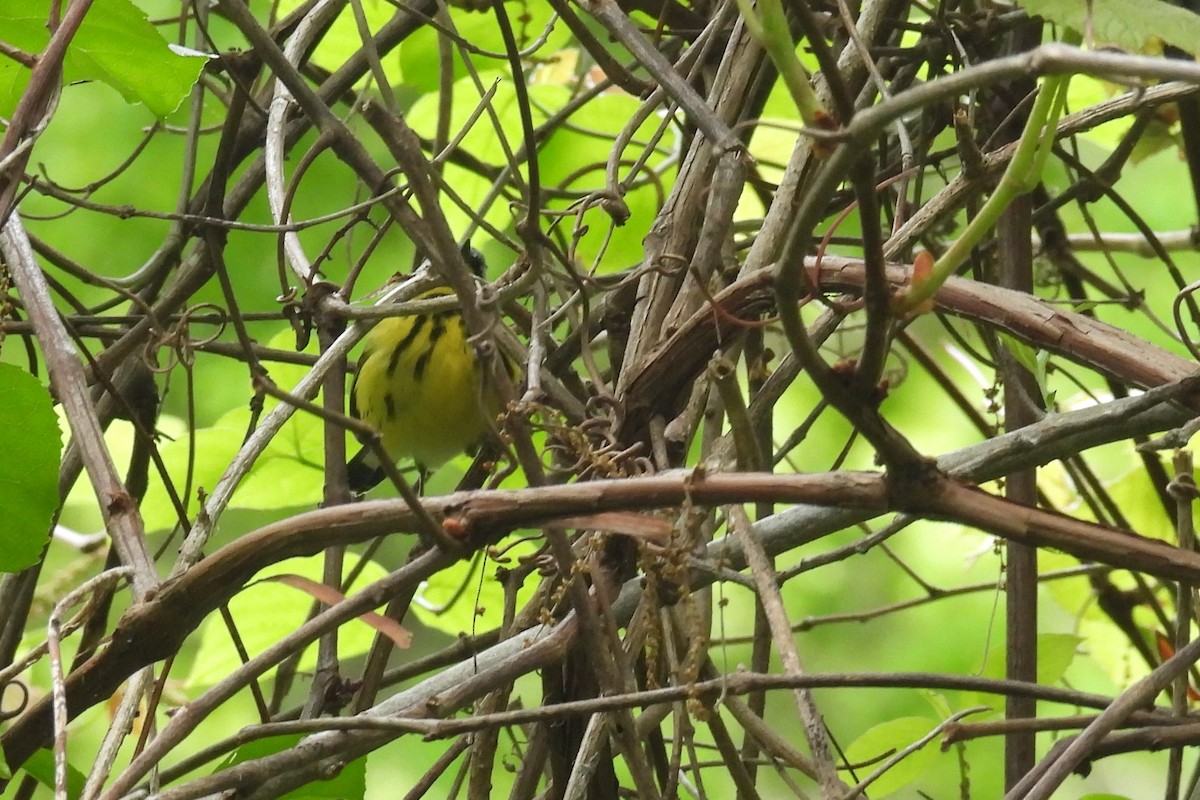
(420, 384)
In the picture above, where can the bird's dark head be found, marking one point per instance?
(474, 260)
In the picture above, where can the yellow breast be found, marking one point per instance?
(420, 385)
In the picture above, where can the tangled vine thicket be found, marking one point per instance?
(791, 286)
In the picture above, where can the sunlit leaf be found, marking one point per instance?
(116, 44)
(882, 741)
(1056, 651)
(29, 472)
(1129, 24)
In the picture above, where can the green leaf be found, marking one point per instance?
(116, 45)
(1025, 355)
(13, 80)
(1134, 25)
(41, 766)
(1034, 361)
(882, 741)
(29, 483)
(941, 706)
(1056, 651)
(266, 611)
(573, 164)
(350, 781)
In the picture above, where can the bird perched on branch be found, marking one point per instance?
(421, 385)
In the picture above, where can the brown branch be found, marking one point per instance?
(405, 716)
(154, 630)
(1079, 338)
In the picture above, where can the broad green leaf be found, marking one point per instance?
(1056, 651)
(882, 741)
(350, 780)
(572, 164)
(116, 45)
(267, 611)
(290, 471)
(29, 476)
(13, 80)
(1069, 593)
(941, 706)
(1059, 488)
(1129, 24)
(1157, 137)
(41, 766)
(80, 511)
(1085, 91)
(1160, 134)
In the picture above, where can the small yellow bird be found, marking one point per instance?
(420, 384)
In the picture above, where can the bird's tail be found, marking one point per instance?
(364, 471)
